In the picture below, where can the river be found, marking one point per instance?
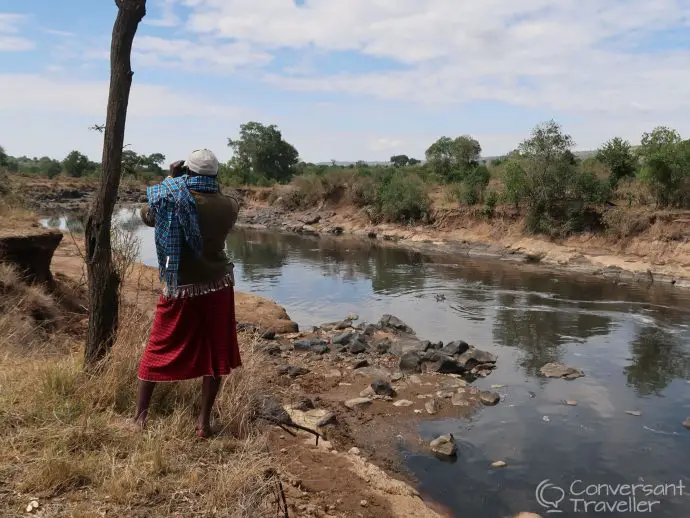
(632, 341)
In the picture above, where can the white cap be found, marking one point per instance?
(202, 162)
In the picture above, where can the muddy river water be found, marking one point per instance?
(593, 459)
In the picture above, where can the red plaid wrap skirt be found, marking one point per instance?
(192, 337)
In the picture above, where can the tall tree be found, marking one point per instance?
(103, 280)
(261, 150)
(400, 160)
(453, 159)
(618, 157)
(76, 164)
(3, 156)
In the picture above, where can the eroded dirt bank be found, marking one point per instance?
(635, 245)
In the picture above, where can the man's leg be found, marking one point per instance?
(209, 391)
(144, 401)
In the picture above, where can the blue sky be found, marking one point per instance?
(362, 79)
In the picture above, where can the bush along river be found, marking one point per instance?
(609, 443)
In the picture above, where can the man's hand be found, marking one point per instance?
(176, 168)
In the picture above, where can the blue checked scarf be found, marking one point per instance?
(177, 221)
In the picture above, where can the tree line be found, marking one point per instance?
(78, 165)
(542, 174)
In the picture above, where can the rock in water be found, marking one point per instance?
(391, 322)
(410, 362)
(432, 407)
(382, 388)
(454, 348)
(489, 398)
(686, 423)
(473, 357)
(403, 402)
(636, 413)
(444, 445)
(558, 370)
(498, 464)
(358, 403)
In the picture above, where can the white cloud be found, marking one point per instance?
(385, 144)
(9, 27)
(30, 92)
(571, 56)
(167, 18)
(189, 55)
(51, 116)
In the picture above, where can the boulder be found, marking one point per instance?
(343, 338)
(410, 362)
(473, 357)
(442, 364)
(392, 322)
(444, 445)
(455, 348)
(263, 313)
(357, 348)
(31, 253)
(686, 423)
(558, 370)
(402, 344)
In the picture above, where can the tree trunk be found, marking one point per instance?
(103, 280)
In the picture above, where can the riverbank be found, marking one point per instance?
(634, 244)
(638, 245)
(44, 475)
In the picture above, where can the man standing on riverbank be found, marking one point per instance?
(194, 331)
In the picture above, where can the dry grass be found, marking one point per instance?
(64, 443)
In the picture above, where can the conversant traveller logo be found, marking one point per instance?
(580, 497)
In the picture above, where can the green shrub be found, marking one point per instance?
(403, 198)
(666, 167)
(490, 204)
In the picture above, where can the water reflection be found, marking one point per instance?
(658, 357)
